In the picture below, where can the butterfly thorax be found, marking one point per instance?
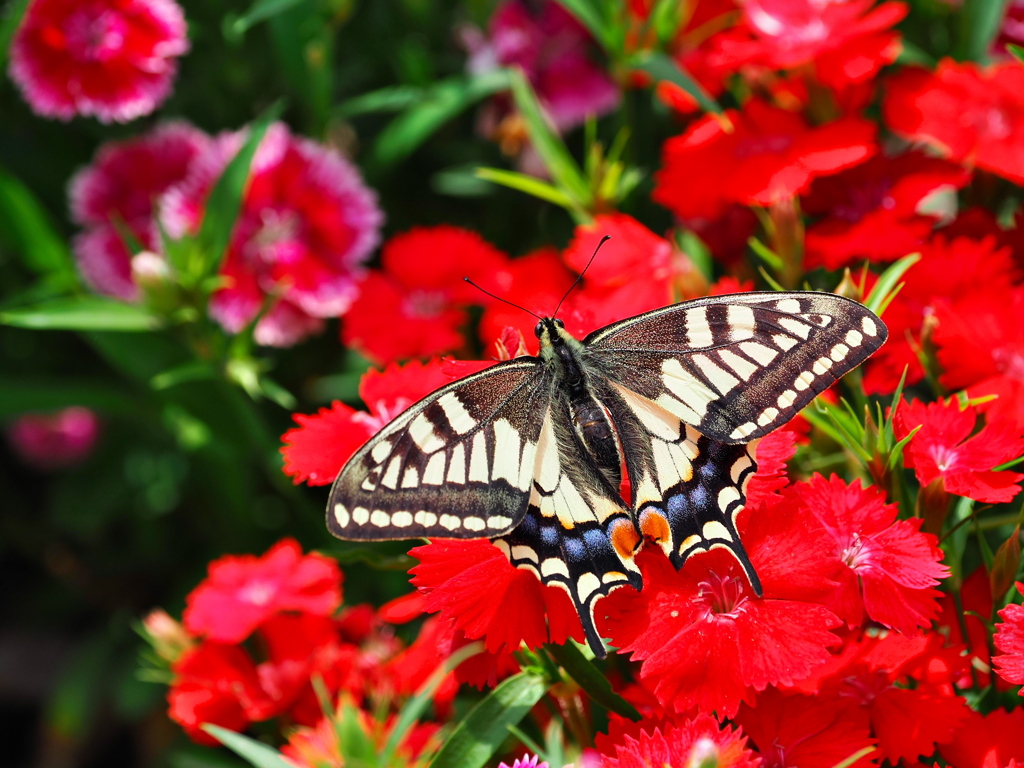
(564, 355)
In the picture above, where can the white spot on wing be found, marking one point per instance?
(451, 522)
(498, 522)
(715, 530)
(434, 473)
(720, 378)
(727, 496)
(341, 515)
(698, 332)
(401, 519)
(759, 352)
(554, 567)
(784, 342)
(854, 337)
(839, 352)
(474, 523)
(743, 430)
(870, 326)
(411, 478)
(796, 327)
(549, 468)
(424, 518)
(360, 515)
(787, 399)
(586, 585)
(821, 365)
(507, 449)
(656, 420)
(422, 432)
(381, 451)
(380, 518)
(804, 381)
(743, 367)
(741, 322)
(523, 552)
(456, 413)
(788, 305)
(390, 479)
(478, 459)
(768, 415)
(457, 465)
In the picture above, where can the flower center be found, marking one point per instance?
(864, 688)
(1010, 362)
(852, 555)
(425, 304)
(724, 596)
(943, 456)
(271, 242)
(94, 37)
(257, 592)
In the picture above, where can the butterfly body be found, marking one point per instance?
(532, 452)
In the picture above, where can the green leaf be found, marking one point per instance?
(549, 145)
(979, 24)
(523, 182)
(19, 394)
(179, 374)
(662, 67)
(26, 229)
(82, 313)
(1016, 51)
(590, 17)
(424, 698)
(259, 11)
(591, 679)
(438, 104)
(354, 743)
(391, 99)
(9, 25)
(257, 753)
(477, 737)
(887, 286)
(225, 200)
(304, 47)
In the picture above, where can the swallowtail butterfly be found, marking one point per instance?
(531, 453)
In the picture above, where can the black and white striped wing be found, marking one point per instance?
(737, 367)
(458, 464)
(577, 533)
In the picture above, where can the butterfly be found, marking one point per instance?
(533, 452)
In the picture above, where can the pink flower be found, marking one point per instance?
(119, 189)
(307, 224)
(54, 441)
(109, 59)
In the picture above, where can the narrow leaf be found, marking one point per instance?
(591, 679)
(979, 24)
(259, 11)
(225, 200)
(887, 284)
(590, 17)
(439, 104)
(522, 182)
(477, 737)
(662, 67)
(26, 229)
(19, 394)
(82, 313)
(12, 15)
(257, 753)
(1016, 51)
(1005, 565)
(549, 145)
(391, 99)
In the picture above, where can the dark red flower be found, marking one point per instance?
(987, 741)
(705, 640)
(770, 155)
(316, 450)
(474, 585)
(980, 342)
(119, 188)
(306, 225)
(885, 567)
(790, 730)
(216, 683)
(1009, 639)
(971, 114)
(902, 685)
(947, 448)
(241, 592)
(110, 59)
(950, 270)
(872, 211)
(416, 306)
(975, 601)
(686, 742)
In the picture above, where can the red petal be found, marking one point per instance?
(318, 448)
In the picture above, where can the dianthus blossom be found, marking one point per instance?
(416, 305)
(693, 741)
(306, 225)
(50, 441)
(119, 189)
(987, 741)
(114, 60)
(1009, 639)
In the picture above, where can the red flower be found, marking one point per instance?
(705, 640)
(946, 448)
(950, 270)
(241, 592)
(216, 683)
(987, 741)
(975, 601)
(770, 155)
(980, 344)
(871, 211)
(885, 567)
(118, 189)
(322, 745)
(971, 114)
(474, 585)
(109, 59)
(902, 685)
(415, 307)
(316, 450)
(794, 730)
(306, 224)
(1009, 639)
(55, 440)
(687, 742)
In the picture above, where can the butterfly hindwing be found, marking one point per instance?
(458, 464)
(577, 534)
(738, 367)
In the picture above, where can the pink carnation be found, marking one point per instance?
(307, 224)
(54, 441)
(109, 59)
(119, 189)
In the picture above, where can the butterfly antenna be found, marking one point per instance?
(579, 277)
(504, 301)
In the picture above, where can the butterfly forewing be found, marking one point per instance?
(458, 464)
(737, 367)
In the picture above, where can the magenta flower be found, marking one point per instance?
(307, 224)
(109, 59)
(119, 189)
(56, 440)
